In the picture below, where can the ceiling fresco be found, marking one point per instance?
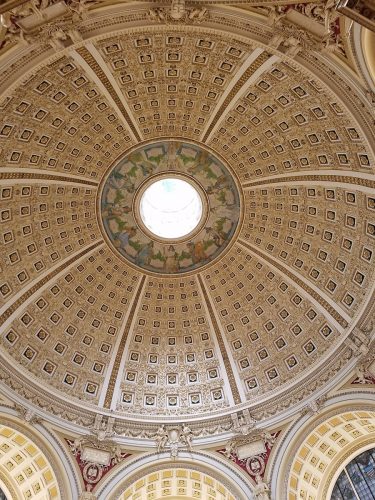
(120, 207)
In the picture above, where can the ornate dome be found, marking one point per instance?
(259, 306)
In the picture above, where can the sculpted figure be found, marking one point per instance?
(9, 29)
(261, 490)
(229, 449)
(78, 9)
(177, 9)
(117, 455)
(161, 438)
(186, 436)
(76, 446)
(361, 373)
(268, 438)
(330, 14)
(102, 432)
(275, 13)
(57, 38)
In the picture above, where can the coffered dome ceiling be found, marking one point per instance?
(255, 310)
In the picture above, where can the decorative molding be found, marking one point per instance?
(244, 75)
(224, 352)
(99, 71)
(120, 351)
(40, 176)
(315, 179)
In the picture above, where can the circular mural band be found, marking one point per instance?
(212, 226)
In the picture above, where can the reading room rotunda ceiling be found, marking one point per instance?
(246, 305)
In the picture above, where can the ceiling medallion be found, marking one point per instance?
(169, 207)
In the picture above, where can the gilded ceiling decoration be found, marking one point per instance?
(261, 303)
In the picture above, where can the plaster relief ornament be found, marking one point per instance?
(314, 407)
(76, 445)
(324, 14)
(269, 438)
(79, 9)
(186, 436)
(178, 13)
(363, 375)
(255, 462)
(95, 459)
(142, 191)
(52, 22)
(358, 343)
(255, 466)
(161, 438)
(312, 26)
(27, 414)
(243, 423)
(174, 438)
(102, 428)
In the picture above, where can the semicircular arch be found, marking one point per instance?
(316, 449)
(196, 466)
(32, 462)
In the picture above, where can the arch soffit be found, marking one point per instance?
(229, 475)
(299, 432)
(50, 447)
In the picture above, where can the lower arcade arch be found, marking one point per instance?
(356, 475)
(319, 450)
(32, 465)
(176, 483)
(24, 468)
(194, 475)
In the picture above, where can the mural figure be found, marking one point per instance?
(144, 256)
(196, 251)
(171, 260)
(125, 236)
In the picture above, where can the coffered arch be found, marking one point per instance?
(202, 473)
(29, 464)
(317, 446)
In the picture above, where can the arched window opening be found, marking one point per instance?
(357, 480)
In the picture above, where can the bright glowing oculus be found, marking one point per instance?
(171, 208)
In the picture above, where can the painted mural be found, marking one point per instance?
(133, 243)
